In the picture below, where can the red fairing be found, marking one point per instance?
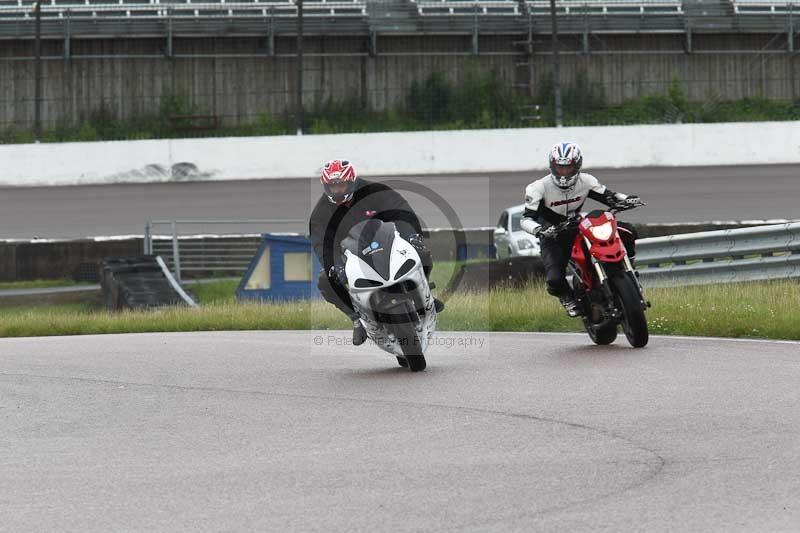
(610, 250)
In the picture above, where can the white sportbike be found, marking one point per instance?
(389, 290)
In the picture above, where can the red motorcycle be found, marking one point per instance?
(604, 281)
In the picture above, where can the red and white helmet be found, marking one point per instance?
(565, 164)
(339, 180)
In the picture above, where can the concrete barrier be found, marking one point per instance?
(388, 154)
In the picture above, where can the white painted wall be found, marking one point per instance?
(386, 154)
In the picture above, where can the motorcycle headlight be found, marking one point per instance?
(603, 231)
(524, 244)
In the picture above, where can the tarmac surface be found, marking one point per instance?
(290, 431)
(675, 194)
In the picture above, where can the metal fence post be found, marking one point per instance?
(37, 89)
(299, 111)
(148, 238)
(556, 65)
(176, 258)
(67, 35)
(169, 32)
(271, 32)
(585, 28)
(475, 9)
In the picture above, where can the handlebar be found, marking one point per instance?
(627, 205)
(574, 219)
(551, 232)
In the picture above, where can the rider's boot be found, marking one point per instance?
(571, 305)
(437, 303)
(359, 333)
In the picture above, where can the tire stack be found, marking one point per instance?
(136, 283)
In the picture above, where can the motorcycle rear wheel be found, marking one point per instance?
(634, 322)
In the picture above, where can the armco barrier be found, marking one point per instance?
(758, 253)
(29, 260)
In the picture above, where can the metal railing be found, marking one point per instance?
(133, 17)
(759, 7)
(759, 253)
(183, 9)
(223, 250)
(467, 7)
(210, 18)
(612, 7)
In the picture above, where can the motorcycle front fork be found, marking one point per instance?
(612, 312)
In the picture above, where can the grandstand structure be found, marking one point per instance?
(238, 60)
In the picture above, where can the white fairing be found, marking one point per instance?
(356, 268)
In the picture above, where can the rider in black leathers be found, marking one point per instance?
(346, 201)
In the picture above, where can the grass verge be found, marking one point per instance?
(753, 310)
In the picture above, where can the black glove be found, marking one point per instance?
(634, 201)
(546, 233)
(629, 203)
(416, 241)
(336, 274)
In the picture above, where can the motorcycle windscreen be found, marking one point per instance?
(371, 241)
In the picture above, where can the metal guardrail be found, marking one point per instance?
(219, 252)
(763, 252)
(722, 256)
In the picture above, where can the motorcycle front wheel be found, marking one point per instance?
(600, 335)
(412, 349)
(629, 299)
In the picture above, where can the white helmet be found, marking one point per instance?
(565, 164)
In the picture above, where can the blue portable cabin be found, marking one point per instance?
(284, 268)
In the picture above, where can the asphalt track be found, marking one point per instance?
(696, 194)
(298, 431)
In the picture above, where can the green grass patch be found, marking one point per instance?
(754, 310)
(757, 310)
(218, 292)
(70, 320)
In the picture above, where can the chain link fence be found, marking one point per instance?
(142, 71)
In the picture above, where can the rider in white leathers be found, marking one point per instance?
(551, 200)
